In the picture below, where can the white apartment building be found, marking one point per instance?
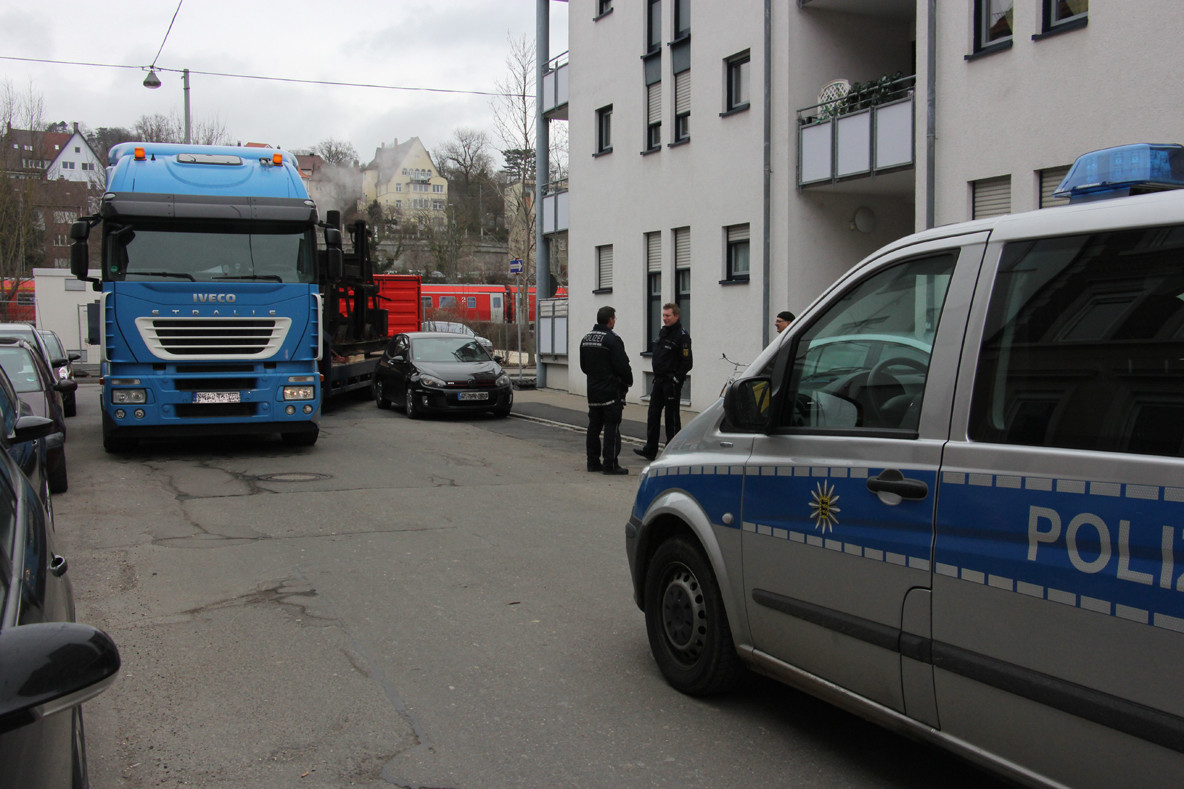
(716, 162)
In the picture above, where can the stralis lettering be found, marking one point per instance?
(214, 298)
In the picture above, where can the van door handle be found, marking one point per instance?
(891, 480)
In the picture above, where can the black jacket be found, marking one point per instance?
(672, 353)
(604, 361)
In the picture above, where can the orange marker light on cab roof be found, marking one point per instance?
(277, 159)
(140, 155)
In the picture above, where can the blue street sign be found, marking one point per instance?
(515, 266)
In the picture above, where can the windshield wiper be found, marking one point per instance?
(266, 277)
(177, 274)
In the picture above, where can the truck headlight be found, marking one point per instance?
(129, 396)
(304, 392)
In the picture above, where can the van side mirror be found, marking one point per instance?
(748, 405)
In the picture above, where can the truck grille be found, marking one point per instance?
(213, 338)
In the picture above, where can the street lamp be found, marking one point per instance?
(152, 82)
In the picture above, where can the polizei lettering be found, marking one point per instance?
(214, 298)
(1094, 546)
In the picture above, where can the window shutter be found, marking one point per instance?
(655, 103)
(1049, 181)
(682, 247)
(653, 252)
(992, 197)
(737, 233)
(604, 267)
(682, 93)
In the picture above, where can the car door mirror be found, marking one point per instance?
(66, 385)
(51, 667)
(747, 405)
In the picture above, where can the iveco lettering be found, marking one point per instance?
(950, 496)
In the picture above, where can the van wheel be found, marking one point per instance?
(686, 621)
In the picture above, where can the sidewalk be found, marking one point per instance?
(556, 405)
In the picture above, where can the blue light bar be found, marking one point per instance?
(1125, 170)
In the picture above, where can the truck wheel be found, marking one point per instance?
(380, 397)
(58, 482)
(301, 439)
(686, 621)
(410, 407)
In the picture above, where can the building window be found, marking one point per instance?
(1064, 14)
(653, 287)
(398, 187)
(737, 82)
(992, 197)
(682, 19)
(653, 126)
(736, 242)
(1050, 179)
(604, 269)
(604, 129)
(603, 7)
(653, 27)
(682, 106)
(682, 273)
(992, 23)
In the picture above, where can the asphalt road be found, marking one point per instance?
(438, 603)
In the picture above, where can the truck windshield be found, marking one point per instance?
(210, 252)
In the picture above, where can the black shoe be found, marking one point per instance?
(645, 453)
(615, 470)
(595, 466)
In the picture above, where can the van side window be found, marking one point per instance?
(864, 362)
(1084, 345)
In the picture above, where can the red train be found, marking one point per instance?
(488, 303)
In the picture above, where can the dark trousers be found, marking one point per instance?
(605, 418)
(665, 396)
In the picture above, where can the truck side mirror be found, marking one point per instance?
(79, 250)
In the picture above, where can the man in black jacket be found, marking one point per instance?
(671, 361)
(604, 361)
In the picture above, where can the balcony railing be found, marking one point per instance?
(864, 133)
(555, 207)
(555, 88)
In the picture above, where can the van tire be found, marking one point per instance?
(686, 621)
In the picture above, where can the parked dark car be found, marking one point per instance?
(49, 665)
(57, 355)
(38, 388)
(29, 333)
(24, 437)
(431, 372)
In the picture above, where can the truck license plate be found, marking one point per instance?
(217, 397)
(472, 396)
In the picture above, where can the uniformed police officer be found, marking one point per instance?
(671, 362)
(604, 361)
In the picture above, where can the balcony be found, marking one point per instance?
(555, 212)
(866, 133)
(555, 89)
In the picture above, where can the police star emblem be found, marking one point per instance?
(824, 507)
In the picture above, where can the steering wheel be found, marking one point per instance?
(880, 380)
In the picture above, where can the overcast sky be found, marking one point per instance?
(441, 44)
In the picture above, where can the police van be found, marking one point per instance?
(950, 497)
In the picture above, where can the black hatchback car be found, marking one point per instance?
(432, 372)
(49, 664)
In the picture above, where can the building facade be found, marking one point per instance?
(737, 157)
(403, 179)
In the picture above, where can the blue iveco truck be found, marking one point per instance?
(213, 315)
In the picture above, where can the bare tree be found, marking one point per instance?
(336, 152)
(466, 163)
(513, 116)
(170, 128)
(22, 168)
